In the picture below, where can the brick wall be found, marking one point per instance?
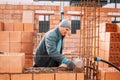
(43, 76)
(18, 37)
(109, 48)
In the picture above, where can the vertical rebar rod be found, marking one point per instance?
(80, 50)
(94, 28)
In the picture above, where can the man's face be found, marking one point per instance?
(65, 31)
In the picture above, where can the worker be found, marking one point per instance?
(49, 50)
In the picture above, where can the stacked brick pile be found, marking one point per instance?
(109, 43)
(12, 63)
(109, 74)
(18, 37)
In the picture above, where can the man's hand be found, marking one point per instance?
(63, 65)
(78, 62)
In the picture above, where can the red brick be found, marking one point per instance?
(19, 7)
(27, 47)
(112, 76)
(15, 36)
(102, 75)
(65, 76)
(9, 7)
(29, 56)
(4, 77)
(1, 11)
(78, 31)
(44, 76)
(27, 37)
(15, 47)
(2, 6)
(15, 62)
(118, 27)
(21, 77)
(28, 53)
(4, 46)
(109, 74)
(31, 7)
(29, 27)
(28, 65)
(4, 59)
(36, 7)
(4, 36)
(18, 65)
(18, 26)
(8, 27)
(80, 76)
(1, 26)
(6, 11)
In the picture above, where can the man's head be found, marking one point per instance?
(64, 27)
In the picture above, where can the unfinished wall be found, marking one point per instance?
(20, 26)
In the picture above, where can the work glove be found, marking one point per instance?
(78, 62)
(68, 62)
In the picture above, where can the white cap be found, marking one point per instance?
(65, 23)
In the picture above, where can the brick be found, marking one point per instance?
(29, 27)
(19, 12)
(27, 37)
(27, 47)
(29, 61)
(44, 76)
(2, 6)
(9, 7)
(118, 27)
(15, 47)
(109, 74)
(21, 77)
(4, 46)
(6, 11)
(25, 7)
(19, 7)
(4, 36)
(15, 62)
(4, 59)
(65, 76)
(28, 17)
(15, 36)
(4, 77)
(18, 65)
(29, 56)
(112, 76)
(102, 75)
(1, 26)
(108, 27)
(36, 7)
(18, 26)
(28, 65)
(80, 76)
(8, 27)
(31, 7)
(8, 16)
(78, 32)
(28, 53)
